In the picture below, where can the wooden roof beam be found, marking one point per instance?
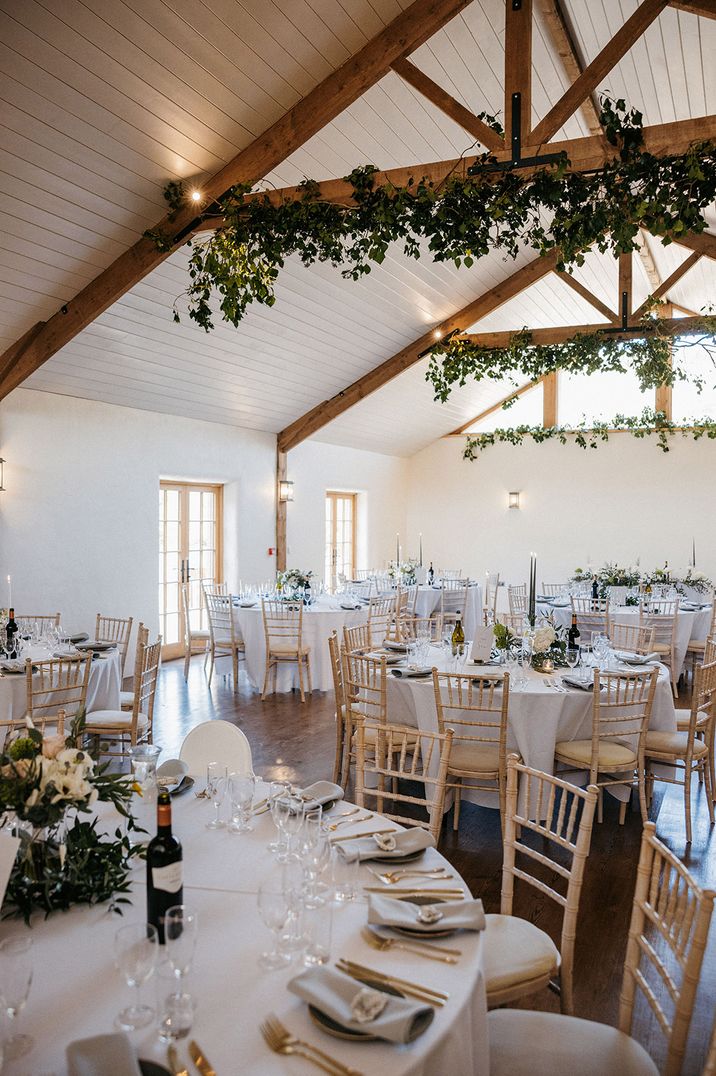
(575, 285)
(560, 32)
(325, 412)
(328, 99)
(706, 8)
(703, 242)
(446, 103)
(600, 66)
(518, 71)
(664, 287)
(558, 334)
(461, 430)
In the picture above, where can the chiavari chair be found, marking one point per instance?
(283, 632)
(129, 727)
(224, 634)
(593, 615)
(492, 582)
(28, 623)
(517, 598)
(696, 647)
(553, 590)
(196, 640)
(633, 638)
(381, 615)
(56, 684)
(126, 698)
(662, 614)
(453, 599)
(340, 765)
(357, 639)
(114, 629)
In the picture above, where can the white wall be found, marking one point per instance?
(624, 500)
(381, 484)
(78, 520)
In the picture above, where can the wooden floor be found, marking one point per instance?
(296, 742)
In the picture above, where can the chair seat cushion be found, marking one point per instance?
(527, 1043)
(611, 753)
(289, 651)
(672, 743)
(115, 719)
(516, 951)
(474, 758)
(683, 718)
(199, 635)
(370, 738)
(126, 700)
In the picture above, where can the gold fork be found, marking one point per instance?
(288, 1039)
(174, 1063)
(344, 820)
(377, 941)
(393, 877)
(277, 1044)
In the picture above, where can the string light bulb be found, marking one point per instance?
(438, 334)
(196, 196)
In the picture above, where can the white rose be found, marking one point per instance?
(543, 638)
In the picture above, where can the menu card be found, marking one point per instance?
(482, 645)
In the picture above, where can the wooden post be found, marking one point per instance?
(518, 71)
(625, 300)
(663, 395)
(550, 389)
(281, 474)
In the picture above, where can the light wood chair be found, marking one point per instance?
(216, 741)
(682, 752)
(705, 729)
(26, 622)
(357, 638)
(667, 939)
(364, 589)
(129, 727)
(126, 698)
(621, 712)
(224, 635)
(283, 633)
(430, 627)
(661, 614)
(114, 629)
(517, 598)
(453, 599)
(365, 694)
(632, 637)
(402, 597)
(381, 614)
(364, 574)
(450, 573)
(520, 959)
(340, 762)
(492, 583)
(196, 640)
(475, 706)
(513, 621)
(553, 590)
(593, 614)
(403, 754)
(696, 647)
(56, 684)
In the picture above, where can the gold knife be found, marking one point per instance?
(199, 1060)
(357, 836)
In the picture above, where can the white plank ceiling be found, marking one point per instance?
(105, 100)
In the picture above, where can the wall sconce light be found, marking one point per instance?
(2, 475)
(513, 499)
(285, 490)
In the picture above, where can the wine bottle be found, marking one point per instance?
(573, 635)
(431, 574)
(458, 637)
(11, 630)
(164, 867)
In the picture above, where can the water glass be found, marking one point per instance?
(15, 983)
(274, 912)
(571, 656)
(216, 787)
(277, 789)
(181, 926)
(175, 1012)
(345, 877)
(135, 955)
(316, 931)
(241, 786)
(293, 821)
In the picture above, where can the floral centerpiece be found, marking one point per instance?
(504, 638)
(403, 572)
(292, 583)
(611, 575)
(697, 581)
(46, 783)
(548, 647)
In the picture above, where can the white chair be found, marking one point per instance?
(517, 597)
(492, 582)
(453, 599)
(216, 741)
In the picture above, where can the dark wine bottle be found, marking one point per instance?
(595, 593)
(11, 630)
(164, 868)
(431, 574)
(573, 635)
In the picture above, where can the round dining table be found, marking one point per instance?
(77, 993)
(539, 715)
(427, 602)
(324, 616)
(103, 690)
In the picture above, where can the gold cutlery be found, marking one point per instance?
(415, 990)
(457, 894)
(283, 1036)
(393, 877)
(378, 941)
(279, 1046)
(200, 1060)
(357, 836)
(257, 806)
(174, 1063)
(346, 821)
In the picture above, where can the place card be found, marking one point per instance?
(8, 851)
(482, 645)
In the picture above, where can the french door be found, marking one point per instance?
(189, 552)
(340, 537)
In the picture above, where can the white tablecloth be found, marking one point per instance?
(319, 620)
(538, 716)
(77, 993)
(689, 625)
(103, 690)
(428, 601)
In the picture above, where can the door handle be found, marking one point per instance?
(182, 571)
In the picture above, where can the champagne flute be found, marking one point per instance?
(15, 983)
(135, 955)
(216, 787)
(241, 786)
(276, 791)
(180, 931)
(273, 909)
(293, 821)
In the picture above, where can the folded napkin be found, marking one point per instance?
(455, 914)
(407, 841)
(559, 603)
(13, 665)
(81, 637)
(101, 1055)
(350, 605)
(574, 681)
(636, 659)
(247, 603)
(545, 598)
(333, 993)
(414, 672)
(319, 793)
(390, 659)
(400, 648)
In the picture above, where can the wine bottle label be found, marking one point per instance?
(167, 878)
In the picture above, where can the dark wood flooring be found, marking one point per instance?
(296, 742)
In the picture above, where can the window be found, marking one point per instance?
(340, 537)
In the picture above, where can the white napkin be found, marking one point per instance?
(407, 841)
(332, 993)
(400, 648)
(390, 659)
(319, 793)
(101, 1055)
(409, 671)
(456, 915)
(350, 605)
(636, 659)
(574, 681)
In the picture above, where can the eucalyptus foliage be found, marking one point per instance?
(459, 220)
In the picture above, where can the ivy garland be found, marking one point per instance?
(459, 220)
(649, 423)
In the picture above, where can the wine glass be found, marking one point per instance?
(15, 983)
(273, 909)
(216, 787)
(571, 656)
(180, 931)
(241, 786)
(135, 955)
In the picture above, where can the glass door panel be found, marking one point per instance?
(340, 537)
